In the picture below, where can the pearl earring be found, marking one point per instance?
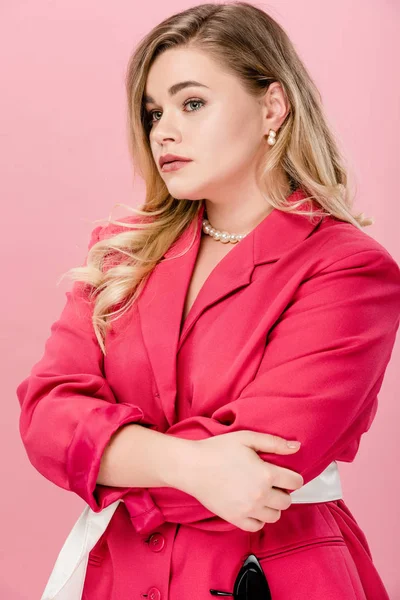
(271, 137)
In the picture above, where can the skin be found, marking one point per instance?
(223, 130)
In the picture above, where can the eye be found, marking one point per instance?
(190, 101)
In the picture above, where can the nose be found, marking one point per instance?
(164, 130)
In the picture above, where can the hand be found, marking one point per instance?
(230, 479)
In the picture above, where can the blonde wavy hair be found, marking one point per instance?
(246, 42)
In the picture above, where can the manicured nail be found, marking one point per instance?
(293, 444)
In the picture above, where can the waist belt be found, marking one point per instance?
(68, 575)
(324, 488)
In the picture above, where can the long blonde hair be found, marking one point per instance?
(250, 44)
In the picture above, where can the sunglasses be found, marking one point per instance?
(250, 584)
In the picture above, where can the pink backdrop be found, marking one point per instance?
(64, 164)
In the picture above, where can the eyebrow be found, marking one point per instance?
(177, 87)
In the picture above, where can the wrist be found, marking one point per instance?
(180, 461)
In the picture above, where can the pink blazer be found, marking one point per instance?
(290, 335)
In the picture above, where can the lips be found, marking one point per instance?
(174, 165)
(167, 158)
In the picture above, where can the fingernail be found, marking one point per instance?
(293, 444)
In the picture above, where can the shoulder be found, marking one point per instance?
(343, 268)
(335, 240)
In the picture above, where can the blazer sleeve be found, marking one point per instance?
(68, 410)
(322, 368)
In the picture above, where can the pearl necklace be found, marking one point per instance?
(222, 236)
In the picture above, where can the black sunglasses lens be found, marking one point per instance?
(251, 583)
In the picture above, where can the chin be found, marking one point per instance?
(186, 194)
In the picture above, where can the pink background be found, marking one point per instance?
(65, 163)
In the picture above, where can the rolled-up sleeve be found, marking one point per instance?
(68, 410)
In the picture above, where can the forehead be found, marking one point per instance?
(177, 68)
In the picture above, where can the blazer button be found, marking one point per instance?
(156, 542)
(154, 594)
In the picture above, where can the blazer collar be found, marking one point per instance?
(162, 299)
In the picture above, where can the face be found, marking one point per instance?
(218, 125)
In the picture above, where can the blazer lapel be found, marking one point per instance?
(161, 302)
(160, 306)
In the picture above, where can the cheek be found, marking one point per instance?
(221, 130)
(228, 138)
(230, 157)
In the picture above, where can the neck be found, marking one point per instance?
(239, 216)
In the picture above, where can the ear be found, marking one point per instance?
(275, 106)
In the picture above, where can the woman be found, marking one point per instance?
(241, 306)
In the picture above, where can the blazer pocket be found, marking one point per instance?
(316, 568)
(297, 547)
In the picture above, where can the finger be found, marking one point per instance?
(250, 524)
(266, 514)
(284, 478)
(266, 442)
(277, 499)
